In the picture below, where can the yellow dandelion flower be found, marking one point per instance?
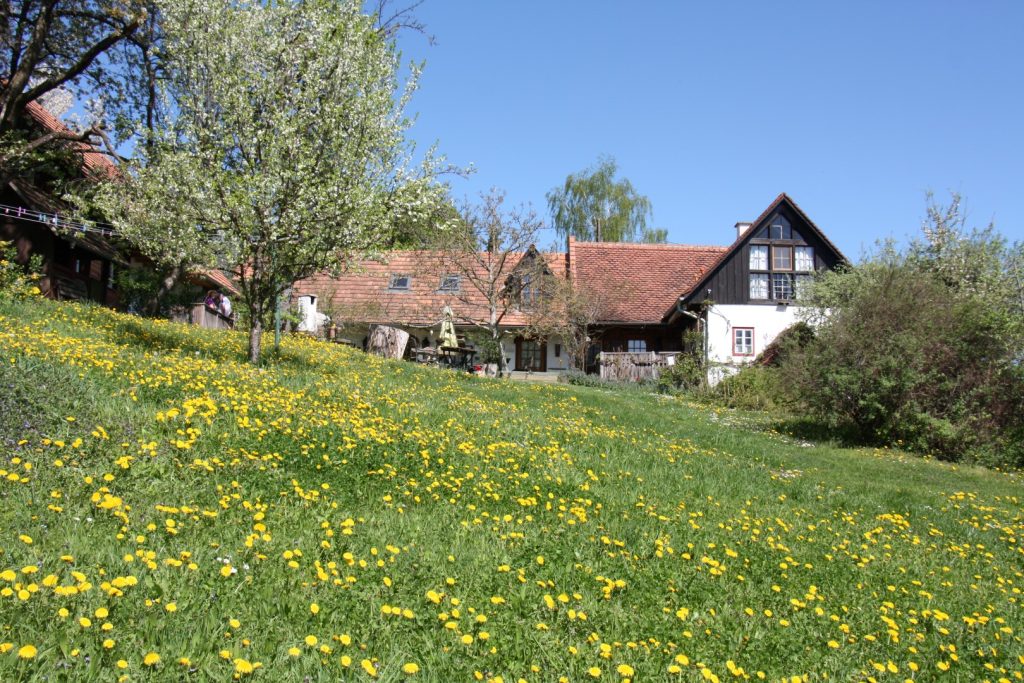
(311, 640)
(151, 659)
(27, 652)
(410, 668)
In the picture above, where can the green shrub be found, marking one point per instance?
(582, 379)
(910, 361)
(687, 374)
(753, 388)
(17, 281)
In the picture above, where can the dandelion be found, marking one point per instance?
(151, 659)
(410, 668)
(27, 652)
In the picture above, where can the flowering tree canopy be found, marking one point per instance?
(282, 145)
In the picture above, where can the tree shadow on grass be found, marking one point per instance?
(809, 429)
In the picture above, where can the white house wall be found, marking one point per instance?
(766, 321)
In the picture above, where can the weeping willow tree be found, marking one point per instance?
(282, 146)
(592, 205)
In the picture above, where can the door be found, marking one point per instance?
(531, 355)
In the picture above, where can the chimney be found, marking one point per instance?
(741, 229)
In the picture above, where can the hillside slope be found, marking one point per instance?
(168, 512)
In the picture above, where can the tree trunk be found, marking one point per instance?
(502, 362)
(166, 285)
(255, 336)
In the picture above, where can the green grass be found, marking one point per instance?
(529, 532)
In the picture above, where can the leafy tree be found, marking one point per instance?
(281, 146)
(492, 251)
(592, 205)
(568, 310)
(54, 51)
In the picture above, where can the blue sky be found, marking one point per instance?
(855, 109)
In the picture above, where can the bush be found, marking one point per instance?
(582, 379)
(753, 388)
(909, 361)
(687, 374)
(17, 281)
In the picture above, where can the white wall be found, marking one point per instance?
(767, 320)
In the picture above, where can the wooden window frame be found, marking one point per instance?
(735, 332)
(781, 248)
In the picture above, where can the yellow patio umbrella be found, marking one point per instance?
(447, 336)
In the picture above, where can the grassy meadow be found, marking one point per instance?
(168, 512)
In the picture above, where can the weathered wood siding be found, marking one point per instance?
(730, 283)
(631, 367)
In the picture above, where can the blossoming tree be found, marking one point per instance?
(283, 146)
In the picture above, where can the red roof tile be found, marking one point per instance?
(362, 293)
(94, 162)
(635, 283)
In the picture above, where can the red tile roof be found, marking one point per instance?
(94, 162)
(635, 283)
(362, 293)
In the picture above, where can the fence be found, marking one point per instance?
(203, 316)
(633, 367)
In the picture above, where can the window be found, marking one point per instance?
(558, 350)
(400, 282)
(805, 259)
(449, 283)
(759, 286)
(636, 345)
(758, 257)
(528, 295)
(782, 258)
(782, 286)
(781, 229)
(743, 341)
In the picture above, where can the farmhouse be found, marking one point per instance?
(737, 297)
(79, 261)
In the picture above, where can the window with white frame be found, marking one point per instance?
(758, 257)
(782, 286)
(636, 345)
(804, 259)
(743, 341)
(759, 285)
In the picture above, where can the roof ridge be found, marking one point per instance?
(647, 245)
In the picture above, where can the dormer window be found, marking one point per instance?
(449, 283)
(400, 282)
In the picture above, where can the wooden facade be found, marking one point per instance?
(728, 281)
(74, 267)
